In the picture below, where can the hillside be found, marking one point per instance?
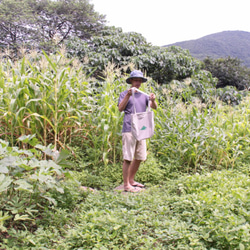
(220, 45)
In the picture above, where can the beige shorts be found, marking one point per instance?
(133, 149)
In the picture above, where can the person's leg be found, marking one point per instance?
(129, 145)
(140, 155)
(133, 170)
(128, 149)
(125, 171)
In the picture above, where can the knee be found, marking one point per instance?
(126, 162)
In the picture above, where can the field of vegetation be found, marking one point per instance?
(60, 138)
(61, 130)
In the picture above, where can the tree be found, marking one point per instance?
(229, 72)
(67, 18)
(112, 45)
(39, 23)
(16, 20)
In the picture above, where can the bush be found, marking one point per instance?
(161, 64)
(27, 184)
(229, 72)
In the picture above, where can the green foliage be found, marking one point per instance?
(84, 115)
(152, 171)
(27, 183)
(15, 16)
(229, 95)
(100, 140)
(197, 137)
(195, 134)
(162, 64)
(193, 212)
(42, 24)
(200, 87)
(203, 86)
(42, 95)
(229, 72)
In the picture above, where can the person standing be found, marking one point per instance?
(134, 152)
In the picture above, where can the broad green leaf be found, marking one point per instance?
(23, 185)
(5, 182)
(59, 189)
(7, 161)
(4, 169)
(51, 200)
(53, 65)
(61, 156)
(241, 246)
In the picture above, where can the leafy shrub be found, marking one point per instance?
(112, 45)
(229, 72)
(27, 183)
(229, 95)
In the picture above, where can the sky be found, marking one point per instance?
(163, 22)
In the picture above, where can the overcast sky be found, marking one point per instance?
(163, 22)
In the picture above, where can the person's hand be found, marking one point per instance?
(152, 97)
(129, 92)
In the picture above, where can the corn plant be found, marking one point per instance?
(198, 136)
(106, 121)
(46, 97)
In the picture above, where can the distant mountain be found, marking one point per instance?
(220, 45)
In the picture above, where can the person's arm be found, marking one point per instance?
(124, 102)
(153, 103)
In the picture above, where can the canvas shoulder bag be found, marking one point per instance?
(142, 124)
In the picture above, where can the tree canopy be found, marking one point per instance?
(229, 71)
(38, 23)
(162, 64)
(43, 24)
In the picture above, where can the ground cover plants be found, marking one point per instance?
(61, 129)
(192, 212)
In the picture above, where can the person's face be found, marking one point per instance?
(136, 82)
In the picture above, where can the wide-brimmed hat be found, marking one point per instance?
(136, 74)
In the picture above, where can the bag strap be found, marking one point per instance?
(133, 95)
